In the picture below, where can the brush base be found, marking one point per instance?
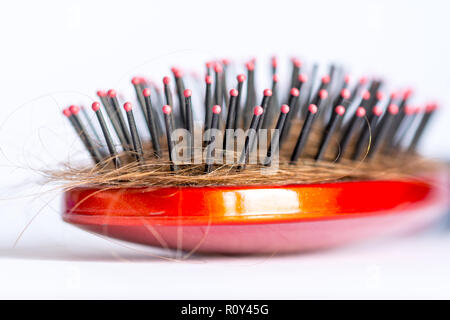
(256, 219)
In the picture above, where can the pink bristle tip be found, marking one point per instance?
(216, 109)
(393, 108)
(302, 78)
(187, 93)
(178, 73)
(258, 110)
(366, 95)
(136, 80)
(377, 111)
(297, 62)
(95, 106)
(284, 108)
(144, 80)
(74, 109)
(363, 80)
(407, 93)
(101, 93)
(112, 93)
(146, 92)
(218, 68)
(340, 110)
(431, 107)
(234, 93)
(312, 108)
(127, 106)
(323, 94)
(394, 95)
(345, 93)
(67, 112)
(380, 95)
(274, 62)
(167, 109)
(241, 78)
(360, 112)
(409, 110)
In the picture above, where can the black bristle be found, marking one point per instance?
(89, 123)
(274, 65)
(208, 102)
(354, 124)
(275, 141)
(218, 70)
(302, 79)
(336, 117)
(136, 140)
(367, 133)
(138, 87)
(211, 145)
(106, 134)
(189, 119)
(169, 98)
(251, 94)
(168, 120)
(112, 117)
(179, 86)
(304, 133)
(224, 82)
(430, 110)
(273, 103)
(238, 114)
(250, 137)
(151, 123)
(294, 74)
(230, 116)
(382, 128)
(293, 97)
(398, 119)
(312, 81)
(408, 120)
(267, 96)
(125, 135)
(72, 114)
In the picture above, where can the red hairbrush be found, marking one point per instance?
(330, 166)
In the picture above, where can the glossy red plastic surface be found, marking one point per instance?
(256, 219)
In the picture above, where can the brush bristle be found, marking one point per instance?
(331, 105)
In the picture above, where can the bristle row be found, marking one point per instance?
(362, 132)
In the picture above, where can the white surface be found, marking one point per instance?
(75, 264)
(55, 53)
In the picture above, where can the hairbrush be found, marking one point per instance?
(220, 166)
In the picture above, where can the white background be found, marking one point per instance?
(54, 53)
